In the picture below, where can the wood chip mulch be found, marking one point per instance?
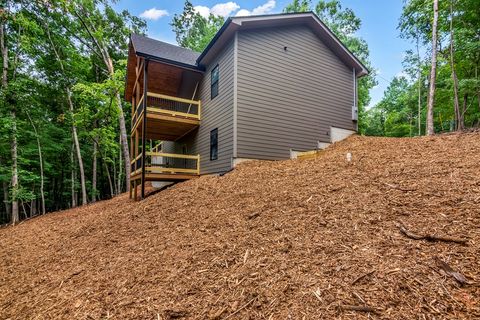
(319, 238)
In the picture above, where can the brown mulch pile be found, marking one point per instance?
(320, 238)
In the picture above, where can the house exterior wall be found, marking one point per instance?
(215, 113)
(288, 98)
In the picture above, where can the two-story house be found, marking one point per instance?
(265, 87)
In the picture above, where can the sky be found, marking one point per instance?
(379, 26)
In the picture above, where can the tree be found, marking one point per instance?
(105, 35)
(194, 31)
(8, 99)
(68, 92)
(40, 161)
(433, 72)
(47, 55)
(459, 123)
(298, 6)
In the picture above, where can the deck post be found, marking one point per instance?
(144, 123)
(135, 190)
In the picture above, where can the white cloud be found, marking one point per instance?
(243, 12)
(228, 8)
(263, 9)
(154, 14)
(220, 9)
(202, 10)
(224, 9)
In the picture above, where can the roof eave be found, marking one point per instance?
(354, 61)
(170, 62)
(214, 40)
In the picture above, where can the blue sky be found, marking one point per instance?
(379, 26)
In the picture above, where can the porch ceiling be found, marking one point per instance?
(163, 78)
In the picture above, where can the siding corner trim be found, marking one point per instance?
(235, 93)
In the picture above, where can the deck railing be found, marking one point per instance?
(169, 105)
(168, 163)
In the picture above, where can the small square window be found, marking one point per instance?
(214, 82)
(214, 144)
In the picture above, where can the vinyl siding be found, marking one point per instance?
(216, 113)
(289, 99)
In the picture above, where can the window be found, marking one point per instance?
(214, 144)
(214, 82)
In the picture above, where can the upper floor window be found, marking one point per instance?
(214, 82)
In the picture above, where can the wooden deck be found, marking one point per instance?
(158, 114)
(168, 118)
(161, 166)
(151, 176)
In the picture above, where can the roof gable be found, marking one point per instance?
(162, 51)
(182, 57)
(309, 19)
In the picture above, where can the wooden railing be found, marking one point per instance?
(169, 105)
(168, 163)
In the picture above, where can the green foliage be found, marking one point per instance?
(298, 6)
(35, 32)
(194, 31)
(415, 25)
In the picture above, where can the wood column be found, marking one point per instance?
(144, 123)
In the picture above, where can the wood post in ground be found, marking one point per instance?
(144, 123)
(135, 189)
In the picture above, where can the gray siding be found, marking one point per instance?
(288, 99)
(216, 113)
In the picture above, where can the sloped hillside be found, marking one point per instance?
(300, 239)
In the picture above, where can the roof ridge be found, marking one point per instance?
(164, 42)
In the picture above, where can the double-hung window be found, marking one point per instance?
(214, 77)
(214, 144)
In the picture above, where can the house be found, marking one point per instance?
(265, 87)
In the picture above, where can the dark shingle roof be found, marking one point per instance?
(163, 51)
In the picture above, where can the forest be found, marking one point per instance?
(64, 123)
(444, 35)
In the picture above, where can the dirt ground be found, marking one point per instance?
(299, 239)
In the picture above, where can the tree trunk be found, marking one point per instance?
(464, 109)
(15, 215)
(419, 90)
(124, 140)
(5, 198)
(40, 160)
(79, 154)
(115, 184)
(478, 92)
(74, 128)
(74, 204)
(94, 173)
(433, 72)
(4, 50)
(108, 177)
(119, 181)
(103, 51)
(33, 207)
(459, 123)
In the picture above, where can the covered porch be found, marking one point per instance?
(165, 107)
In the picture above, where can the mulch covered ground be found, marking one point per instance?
(302, 239)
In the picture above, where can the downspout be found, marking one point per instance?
(355, 104)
